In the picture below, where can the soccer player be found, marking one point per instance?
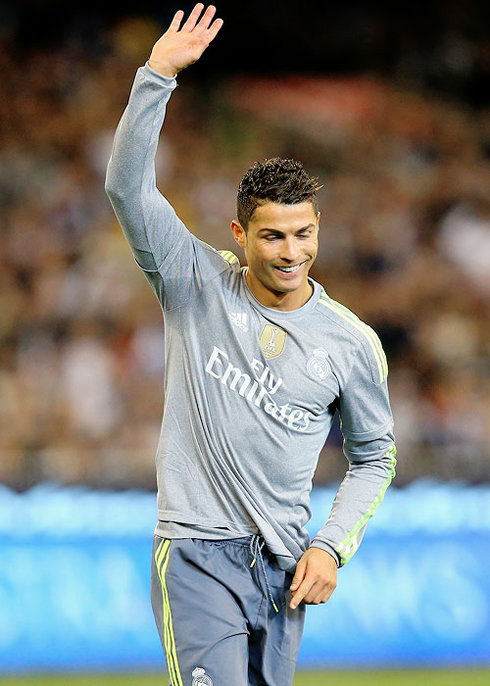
(258, 360)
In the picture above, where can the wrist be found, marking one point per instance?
(324, 547)
(162, 68)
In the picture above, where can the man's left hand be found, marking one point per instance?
(315, 578)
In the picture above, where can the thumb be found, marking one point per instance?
(299, 575)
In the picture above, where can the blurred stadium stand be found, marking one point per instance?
(405, 233)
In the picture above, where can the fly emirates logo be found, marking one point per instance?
(258, 390)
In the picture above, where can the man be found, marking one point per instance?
(258, 360)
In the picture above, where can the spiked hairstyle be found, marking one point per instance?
(277, 180)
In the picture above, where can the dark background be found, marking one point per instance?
(443, 46)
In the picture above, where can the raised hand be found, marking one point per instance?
(181, 46)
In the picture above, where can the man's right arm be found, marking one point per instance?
(131, 181)
(148, 221)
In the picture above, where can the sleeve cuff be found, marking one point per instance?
(170, 82)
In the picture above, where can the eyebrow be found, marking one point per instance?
(277, 231)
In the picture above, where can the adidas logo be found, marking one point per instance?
(240, 319)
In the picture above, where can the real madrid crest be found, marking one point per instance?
(318, 365)
(272, 340)
(200, 678)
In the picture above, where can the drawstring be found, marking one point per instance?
(256, 545)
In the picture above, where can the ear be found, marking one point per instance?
(239, 233)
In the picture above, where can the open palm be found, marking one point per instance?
(181, 46)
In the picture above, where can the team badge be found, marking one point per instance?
(201, 678)
(318, 365)
(272, 341)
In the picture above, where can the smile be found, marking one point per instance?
(289, 270)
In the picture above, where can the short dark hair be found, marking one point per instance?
(277, 180)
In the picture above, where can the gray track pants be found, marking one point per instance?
(223, 622)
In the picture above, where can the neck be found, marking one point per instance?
(278, 300)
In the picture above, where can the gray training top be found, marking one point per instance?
(250, 391)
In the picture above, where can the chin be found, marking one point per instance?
(281, 288)
(290, 284)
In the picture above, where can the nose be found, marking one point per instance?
(288, 249)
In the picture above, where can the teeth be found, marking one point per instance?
(289, 269)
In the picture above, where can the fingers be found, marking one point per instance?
(299, 575)
(193, 17)
(205, 20)
(302, 585)
(299, 595)
(312, 593)
(203, 25)
(175, 25)
(298, 585)
(213, 30)
(320, 597)
(315, 578)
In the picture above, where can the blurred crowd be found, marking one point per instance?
(405, 243)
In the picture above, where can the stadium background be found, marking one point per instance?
(389, 106)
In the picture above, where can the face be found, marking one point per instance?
(280, 245)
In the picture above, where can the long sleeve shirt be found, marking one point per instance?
(250, 391)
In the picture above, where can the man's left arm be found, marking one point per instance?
(369, 445)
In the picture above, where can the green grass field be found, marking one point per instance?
(455, 677)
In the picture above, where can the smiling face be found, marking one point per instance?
(281, 244)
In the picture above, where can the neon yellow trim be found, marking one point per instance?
(366, 330)
(169, 639)
(159, 556)
(369, 330)
(161, 559)
(351, 542)
(370, 333)
(225, 254)
(228, 256)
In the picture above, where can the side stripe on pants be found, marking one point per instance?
(161, 560)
